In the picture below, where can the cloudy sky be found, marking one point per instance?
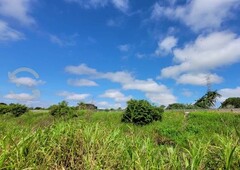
(109, 51)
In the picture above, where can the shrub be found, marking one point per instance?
(4, 109)
(62, 109)
(232, 102)
(17, 109)
(141, 112)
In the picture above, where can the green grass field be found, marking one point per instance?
(93, 141)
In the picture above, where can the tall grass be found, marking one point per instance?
(100, 141)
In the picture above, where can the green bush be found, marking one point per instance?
(141, 112)
(4, 109)
(62, 109)
(232, 102)
(17, 109)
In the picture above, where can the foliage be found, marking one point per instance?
(4, 109)
(36, 141)
(180, 106)
(141, 112)
(62, 109)
(232, 102)
(17, 109)
(208, 100)
(86, 106)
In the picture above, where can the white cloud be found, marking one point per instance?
(67, 41)
(18, 10)
(207, 53)
(124, 47)
(9, 34)
(122, 5)
(151, 88)
(116, 95)
(201, 79)
(26, 81)
(166, 45)
(73, 96)
(81, 82)
(81, 70)
(20, 96)
(198, 14)
(227, 92)
(107, 105)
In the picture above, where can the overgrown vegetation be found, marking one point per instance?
(62, 109)
(203, 140)
(141, 112)
(15, 109)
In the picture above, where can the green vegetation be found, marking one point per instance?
(208, 100)
(181, 106)
(99, 140)
(141, 112)
(15, 109)
(232, 102)
(62, 109)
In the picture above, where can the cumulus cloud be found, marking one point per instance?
(73, 96)
(9, 34)
(200, 79)
(26, 81)
(122, 5)
(151, 88)
(18, 10)
(81, 82)
(107, 105)
(198, 14)
(207, 53)
(228, 92)
(116, 95)
(20, 96)
(166, 45)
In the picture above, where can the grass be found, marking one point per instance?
(99, 140)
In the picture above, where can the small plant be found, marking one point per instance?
(62, 109)
(141, 112)
(17, 109)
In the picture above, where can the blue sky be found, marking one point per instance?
(109, 51)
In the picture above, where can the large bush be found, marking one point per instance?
(232, 102)
(17, 109)
(4, 109)
(62, 109)
(141, 112)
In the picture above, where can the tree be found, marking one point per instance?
(232, 102)
(208, 100)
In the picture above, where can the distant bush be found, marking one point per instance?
(141, 112)
(232, 102)
(4, 109)
(62, 109)
(181, 106)
(18, 109)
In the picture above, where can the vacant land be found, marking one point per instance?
(202, 140)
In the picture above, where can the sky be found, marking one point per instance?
(107, 52)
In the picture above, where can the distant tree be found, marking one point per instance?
(208, 100)
(232, 102)
(86, 106)
(3, 104)
(176, 106)
(62, 109)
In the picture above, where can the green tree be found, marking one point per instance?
(232, 102)
(208, 100)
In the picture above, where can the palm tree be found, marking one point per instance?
(208, 100)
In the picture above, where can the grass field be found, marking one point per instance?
(93, 141)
